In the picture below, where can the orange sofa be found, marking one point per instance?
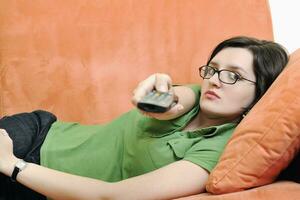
(81, 59)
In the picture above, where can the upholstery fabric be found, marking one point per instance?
(284, 190)
(81, 59)
(265, 141)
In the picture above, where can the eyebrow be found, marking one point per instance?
(234, 67)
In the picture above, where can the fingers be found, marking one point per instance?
(143, 88)
(3, 132)
(163, 82)
(175, 109)
(166, 115)
(160, 82)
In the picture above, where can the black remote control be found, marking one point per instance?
(157, 102)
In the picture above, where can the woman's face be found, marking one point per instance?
(224, 101)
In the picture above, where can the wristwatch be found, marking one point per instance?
(19, 166)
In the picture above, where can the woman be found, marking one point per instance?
(157, 156)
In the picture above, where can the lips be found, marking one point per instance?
(211, 95)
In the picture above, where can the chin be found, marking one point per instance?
(210, 113)
(211, 107)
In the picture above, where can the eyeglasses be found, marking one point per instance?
(225, 76)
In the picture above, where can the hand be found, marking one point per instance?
(7, 158)
(161, 83)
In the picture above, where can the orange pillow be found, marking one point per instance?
(267, 139)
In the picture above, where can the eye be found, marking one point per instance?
(233, 76)
(207, 71)
(210, 70)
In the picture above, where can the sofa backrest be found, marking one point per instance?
(81, 59)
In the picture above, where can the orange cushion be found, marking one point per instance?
(279, 190)
(266, 141)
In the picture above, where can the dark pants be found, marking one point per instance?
(28, 132)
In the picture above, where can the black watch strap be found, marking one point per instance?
(15, 174)
(19, 166)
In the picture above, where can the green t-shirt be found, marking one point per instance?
(132, 145)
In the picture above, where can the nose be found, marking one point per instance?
(214, 80)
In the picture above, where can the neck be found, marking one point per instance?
(202, 120)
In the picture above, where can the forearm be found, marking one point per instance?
(186, 98)
(59, 185)
(178, 179)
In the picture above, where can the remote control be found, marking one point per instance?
(157, 102)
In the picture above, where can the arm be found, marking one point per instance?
(163, 83)
(175, 180)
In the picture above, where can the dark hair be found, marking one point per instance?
(269, 59)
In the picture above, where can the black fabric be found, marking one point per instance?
(28, 132)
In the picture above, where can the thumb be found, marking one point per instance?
(176, 108)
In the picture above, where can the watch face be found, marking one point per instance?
(21, 164)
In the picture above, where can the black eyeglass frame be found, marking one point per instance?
(239, 77)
